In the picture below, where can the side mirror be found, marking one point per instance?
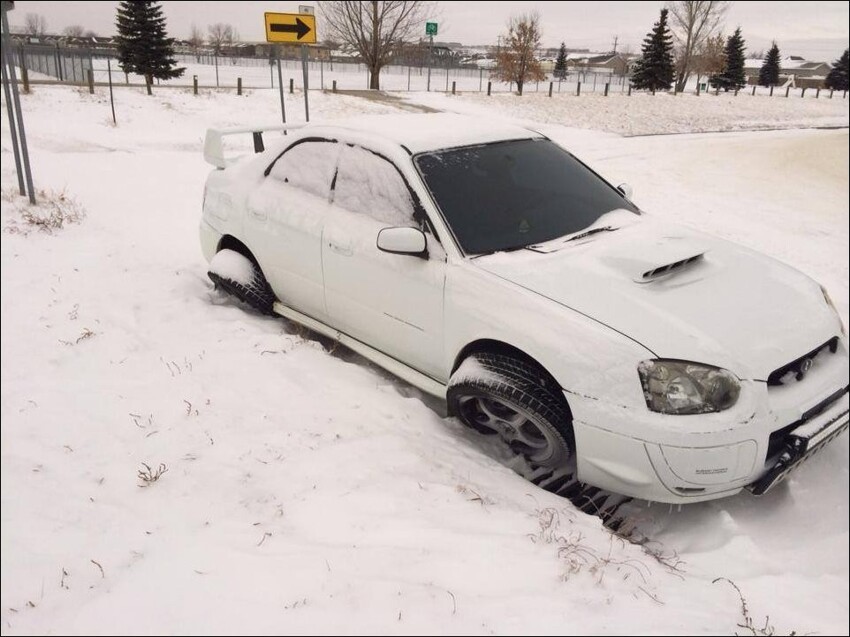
(627, 191)
(403, 241)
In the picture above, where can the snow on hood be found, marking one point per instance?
(724, 305)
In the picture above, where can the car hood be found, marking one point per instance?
(680, 293)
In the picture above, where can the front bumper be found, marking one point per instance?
(812, 434)
(680, 459)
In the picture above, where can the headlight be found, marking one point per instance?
(680, 387)
(829, 302)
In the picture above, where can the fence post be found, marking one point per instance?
(736, 92)
(831, 91)
(239, 86)
(454, 83)
(754, 90)
(787, 90)
(90, 75)
(291, 85)
(803, 92)
(489, 86)
(25, 76)
(480, 79)
(606, 89)
(630, 90)
(578, 89)
(58, 63)
(771, 90)
(408, 77)
(551, 85)
(333, 86)
(717, 91)
(817, 93)
(195, 84)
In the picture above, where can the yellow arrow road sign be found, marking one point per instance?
(299, 28)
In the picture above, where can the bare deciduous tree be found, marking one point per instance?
(196, 39)
(515, 61)
(221, 34)
(74, 31)
(692, 23)
(710, 58)
(35, 24)
(374, 29)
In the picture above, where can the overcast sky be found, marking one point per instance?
(816, 30)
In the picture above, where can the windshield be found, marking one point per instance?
(513, 194)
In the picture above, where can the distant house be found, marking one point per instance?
(604, 63)
(794, 71)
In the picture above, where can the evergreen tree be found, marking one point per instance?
(143, 46)
(769, 72)
(837, 78)
(654, 70)
(732, 78)
(561, 62)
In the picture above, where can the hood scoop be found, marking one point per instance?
(669, 268)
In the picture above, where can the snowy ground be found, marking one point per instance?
(309, 492)
(645, 114)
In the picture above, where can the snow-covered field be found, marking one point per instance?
(308, 492)
(645, 114)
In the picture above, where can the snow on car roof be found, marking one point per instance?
(427, 131)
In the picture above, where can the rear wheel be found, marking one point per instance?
(240, 277)
(501, 395)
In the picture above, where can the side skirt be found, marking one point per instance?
(397, 368)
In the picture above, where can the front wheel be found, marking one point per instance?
(504, 396)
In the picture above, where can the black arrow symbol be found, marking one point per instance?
(300, 27)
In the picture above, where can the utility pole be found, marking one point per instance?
(616, 39)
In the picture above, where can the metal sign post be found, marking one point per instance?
(111, 99)
(430, 31)
(306, 75)
(11, 78)
(280, 86)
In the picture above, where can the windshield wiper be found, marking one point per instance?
(489, 252)
(592, 231)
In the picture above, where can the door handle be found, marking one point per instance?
(344, 250)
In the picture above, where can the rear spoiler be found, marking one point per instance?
(214, 150)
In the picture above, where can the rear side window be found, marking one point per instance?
(309, 166)
(370, 185)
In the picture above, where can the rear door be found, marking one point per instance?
(285, 218)
(389, 301)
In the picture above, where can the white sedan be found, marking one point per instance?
(487, 265)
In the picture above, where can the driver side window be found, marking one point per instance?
(370, 185)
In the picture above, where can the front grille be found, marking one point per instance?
(796, 369)
(777, 438)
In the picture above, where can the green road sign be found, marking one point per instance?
(430, 28)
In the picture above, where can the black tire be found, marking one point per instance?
(498, 394)
(251, 287)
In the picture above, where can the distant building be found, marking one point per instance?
(794, 71)
(602, 63)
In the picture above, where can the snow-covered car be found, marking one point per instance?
(487, 265)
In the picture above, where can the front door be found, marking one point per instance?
(391, 302)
